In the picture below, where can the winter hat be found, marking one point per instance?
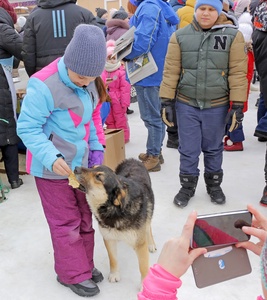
(120, 14)
(86, 53)
(217, 4)
(8, 8)
(100, 12)
(110, 47)
(112, 12)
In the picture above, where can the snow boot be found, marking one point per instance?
(238, 146)
(187, 191)
(152, 163)
(213, 182)
(144, 156)
(263, 200)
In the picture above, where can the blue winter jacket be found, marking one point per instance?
(155, 21)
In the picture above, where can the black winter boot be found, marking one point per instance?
(172, 142)
(263, 200)
(213, 182)
(187, 191)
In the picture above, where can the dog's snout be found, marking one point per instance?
(77, 170)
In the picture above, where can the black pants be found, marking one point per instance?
(11, 162)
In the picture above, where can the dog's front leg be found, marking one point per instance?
(143, 259)
(111, 246)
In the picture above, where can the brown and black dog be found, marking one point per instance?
(123, 204)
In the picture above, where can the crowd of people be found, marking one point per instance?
(199, 91)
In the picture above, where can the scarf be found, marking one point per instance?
(112, 67)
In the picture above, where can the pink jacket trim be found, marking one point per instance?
(49, 71)
(28, 162)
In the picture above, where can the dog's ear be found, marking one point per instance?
(120, 197)
(121, 194)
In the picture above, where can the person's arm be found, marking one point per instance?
(175, 258)
(11, 41)
(258, 229)
(99, 130)
(172, 70)
(96, 137)
(159, 284)
(29, 48)
(238, 65)
(146, 32)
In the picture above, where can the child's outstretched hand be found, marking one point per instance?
(176, 256)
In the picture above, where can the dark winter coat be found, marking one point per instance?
(49, 29)
(10, 45)
(101, 22)
(259, 39)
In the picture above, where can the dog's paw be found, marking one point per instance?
(114, 277)
(152, 248)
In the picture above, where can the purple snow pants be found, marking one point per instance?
(70, 221)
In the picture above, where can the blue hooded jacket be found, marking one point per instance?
(155, 21)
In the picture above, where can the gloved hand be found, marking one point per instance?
(167, 108)
(96, 157)
(236, 115)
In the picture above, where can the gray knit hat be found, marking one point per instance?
(100, 12)
(120, 14)
(86, 53)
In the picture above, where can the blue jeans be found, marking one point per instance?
(200, 131)
(149, 107)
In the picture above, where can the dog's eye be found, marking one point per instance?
(98, 176)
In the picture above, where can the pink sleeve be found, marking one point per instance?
(98, 124)
(159, 285)
(260, 298)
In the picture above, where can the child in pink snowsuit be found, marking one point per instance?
(119, 91)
